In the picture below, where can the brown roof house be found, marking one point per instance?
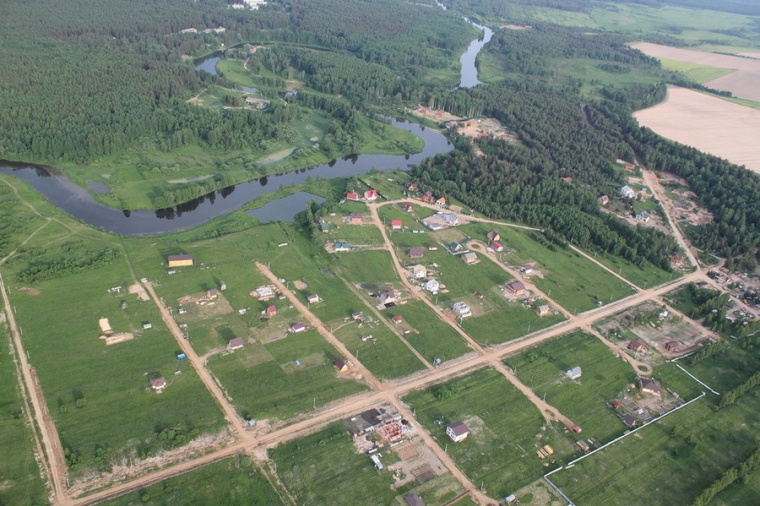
(340, 365)
(493, 235)
(413, 499)
(415, 252)
(180, 260)
(516, 287)
(650, 387)
(457, 431)
(158, 384)
(672, 346)
(235, 344)
(636, 345)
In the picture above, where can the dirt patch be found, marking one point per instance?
(418, 462)
(710, 124)
(433, 115)
(276, 157)
(137, 289)
(300, 285)
(30, 291)
(118, 338)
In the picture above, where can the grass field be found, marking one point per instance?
(696, 72)
(266, 381)
(433, 338)
(385, 355)
(573, 281)
(504, 430)
(584, 401)
(324, 468)
(231, 481)
(19, 473)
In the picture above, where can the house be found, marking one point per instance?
(629, 420)
(650, 387)
(407, 207)
(271, 310)
(516, 287)
(396, 224)
(355, 219)
(456, 247)
(643, 217)
(297, 327)
(180, 260)
(413, 499)
(158, 384)
(582, 445)
(469, 258)
(626, 192)
(676, 258)
(672, 346)
(352, 196)
(432, 286)
(433, 226)
(212, 294)
(527, 269)
(616, 404)
(388, 297)
(576, 428)
(340, 365)
(636, 345)
(339, 246)
(543, 310)
(496, 247)
(235, 344)
(415, 252)
(376, 460)
(313, 298)
(370, 195)
(397, 319)
(574, 373)
(457, 431)
(418, 271)
(324, 226)
(603, 200)
(493, 235)
(461, 309)
(450, 219)
(441, 202)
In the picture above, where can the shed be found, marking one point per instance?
(313, 298)
(496, 246)
(636, 345)
(180, 260)
(493, 235)
(582, 445)
(469, 258)
(397, 319)
(413, 499)
(457, 431)
(340, 365)
(415, 252)
(235, 344)
(355, 218)
(297, 327)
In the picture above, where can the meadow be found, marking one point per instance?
(432, 338)
(505, 429)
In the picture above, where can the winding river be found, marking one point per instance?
(80, 204)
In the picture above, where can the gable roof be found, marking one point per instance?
(458, 428)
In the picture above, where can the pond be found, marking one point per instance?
(285, 208)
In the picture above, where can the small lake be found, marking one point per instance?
(209, 65)
(76, 201)
(285, 208)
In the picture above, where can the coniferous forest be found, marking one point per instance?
(90, 78)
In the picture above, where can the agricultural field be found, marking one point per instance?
(19, 472)
(431, 337)
(697, 72)
(715, 126)
(283, 378)
(570, 279)
(325, 468)
(586, 400)
(232, 481)
(505, 430)
(383, 354)
(88, 384)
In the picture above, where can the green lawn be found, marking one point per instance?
(19, 473)
(584, 401)
(432, 337)
(265, 381)
(231, 481)
(505, 429)
(385, 355)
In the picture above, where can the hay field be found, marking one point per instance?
(744, 83)
(710, 124)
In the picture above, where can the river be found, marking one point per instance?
(78, 202)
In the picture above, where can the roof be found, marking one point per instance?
(235, 343)
(159, 382)
(298, 325)
(339, 363)
(272, 309)
(413, 252)
(516, 286)
(397, 319)
(413, 499)
(574, 372)
(179, 257)
(355, 215)
(458, 428)
(629, 420)
(495, 245)
(650, 384)
(635, 343)
(395, 223)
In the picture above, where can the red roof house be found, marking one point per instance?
(352, 196)
(396, 224)
(370, 195)
(496, 246)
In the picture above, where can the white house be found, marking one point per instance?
(574, 373)
(432, 286)
(418, 271)
(626, 192)
(457, 431)
(461, 309)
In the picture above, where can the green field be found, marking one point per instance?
(584, 401)
(695, 71)
(19, 473)
(87, 384)
(570, 279)
(385, 355)
(266, 381)
(432, 338)
(324, 468)
(231, 481)
(505, 429)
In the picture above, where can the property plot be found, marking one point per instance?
(707, 123)
(283, 378)
(379, 350)
(432, 338)
(505, 430)
(231, 481)
(325, 468)
(585, 394)
(570, 279)
(370, 268)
